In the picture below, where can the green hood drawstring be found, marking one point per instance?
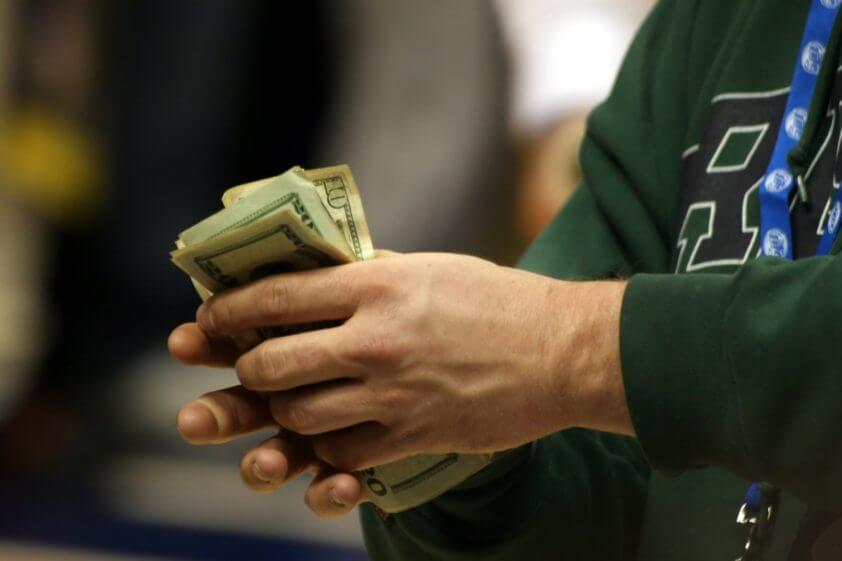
(799, 156)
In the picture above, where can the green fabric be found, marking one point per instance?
(735, 371)
(731, 377)
(552, 505)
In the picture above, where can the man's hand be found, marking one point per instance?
(224, 415)
(437, 353)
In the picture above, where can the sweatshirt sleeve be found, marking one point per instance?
(741, 371)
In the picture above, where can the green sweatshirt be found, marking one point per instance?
(730, 365)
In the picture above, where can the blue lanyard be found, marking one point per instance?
(778, 181)
(777, 185)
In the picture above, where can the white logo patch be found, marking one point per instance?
(811, 57)
(833, 217)
(775, 243)
(778, 180)
(832, 4)
(794, 124)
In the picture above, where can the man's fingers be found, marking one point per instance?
(189, 345)
(291, 298)
(224, 415)
(282, 458)
(333, 493)
(296, 360)
(322, 408)
(276, 461)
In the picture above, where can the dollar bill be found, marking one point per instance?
(407, 483)
(304, 219)
(203, 292)
(280, 243)
(289, 191)
(340, 196)
(338, 191)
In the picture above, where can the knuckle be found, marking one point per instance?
(297, 415)
(220, 315)
(393, 401)
(269, 363)
(382, 281)
(258, 368)
(276, 300)
(378, 347)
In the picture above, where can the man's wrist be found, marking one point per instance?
(589, 358)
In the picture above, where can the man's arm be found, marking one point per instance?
(741, 371)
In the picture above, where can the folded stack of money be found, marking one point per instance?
(299, 220)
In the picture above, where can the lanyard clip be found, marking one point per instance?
(760, 519)
(802, 189)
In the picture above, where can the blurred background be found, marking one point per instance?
(121, 123)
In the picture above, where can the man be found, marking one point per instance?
(726, 376)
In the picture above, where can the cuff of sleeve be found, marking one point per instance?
(679, 384)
